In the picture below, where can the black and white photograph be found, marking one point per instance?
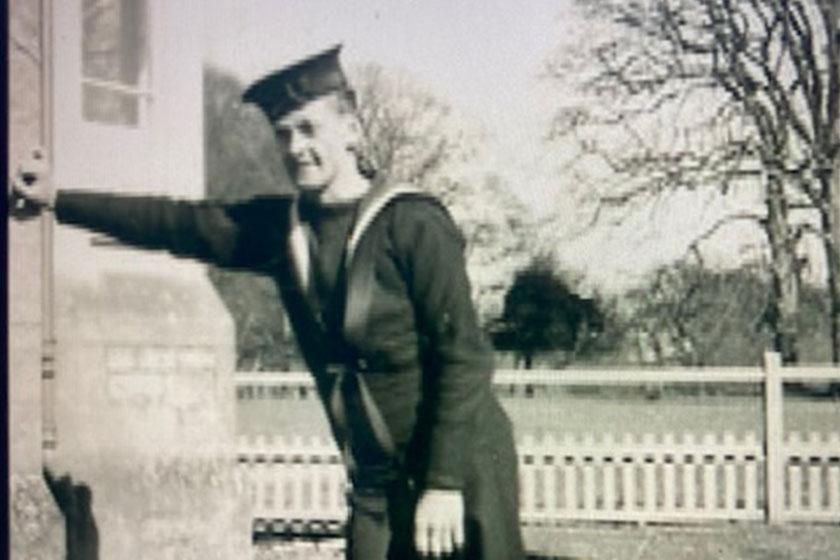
(423, 279)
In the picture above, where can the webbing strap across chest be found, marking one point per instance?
(346, 393)
(370, 208)
(360, 275)
(360, 284)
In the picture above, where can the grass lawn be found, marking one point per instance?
(580, 414)
(731, 541)
(594, 541)
(749, 541)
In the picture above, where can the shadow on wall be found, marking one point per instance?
(76, 504)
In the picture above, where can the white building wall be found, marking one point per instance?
(164, 155)
(143, 397)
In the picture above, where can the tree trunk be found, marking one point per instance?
(831, 179)
(831, 243)
(784, 300)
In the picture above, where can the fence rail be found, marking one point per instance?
(298, 484)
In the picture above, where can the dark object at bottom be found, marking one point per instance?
(75, 503)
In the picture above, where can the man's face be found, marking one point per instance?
(314, 141)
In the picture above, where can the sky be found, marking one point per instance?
(486, 58)
(483, 56)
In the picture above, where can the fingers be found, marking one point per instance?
(29, 188)
(439, 524)
(438, 540)
(421, 537)
(458, 536)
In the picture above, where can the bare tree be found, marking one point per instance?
(763, 75)
(412, 133)
(689, 315)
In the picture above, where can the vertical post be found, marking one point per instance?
(48, 369)
(750, 474)
(36, 527)
(773, 439)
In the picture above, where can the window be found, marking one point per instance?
(115, 61)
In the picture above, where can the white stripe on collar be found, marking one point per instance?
(370, 210)
(299, 248)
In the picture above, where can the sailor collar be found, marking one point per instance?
(370, 207)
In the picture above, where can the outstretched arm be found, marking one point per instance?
(190, 229)
(232, 235)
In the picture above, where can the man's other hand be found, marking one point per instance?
(30, 191)
(439, 523)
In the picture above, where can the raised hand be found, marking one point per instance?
(30, 190)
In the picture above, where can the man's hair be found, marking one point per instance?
(346, 100)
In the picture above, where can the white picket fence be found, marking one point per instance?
(298, 484)
(674, 479)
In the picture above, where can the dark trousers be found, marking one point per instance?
(381, 524)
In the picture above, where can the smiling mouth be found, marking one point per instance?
(306, 164)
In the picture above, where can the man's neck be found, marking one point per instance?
(345, 189)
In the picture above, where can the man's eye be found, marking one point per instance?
(306, 128)
(283, 134)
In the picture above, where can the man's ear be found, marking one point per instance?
(355, 138)
(354, 129)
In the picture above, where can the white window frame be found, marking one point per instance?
(142, 92)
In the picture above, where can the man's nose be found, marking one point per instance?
(297, 143)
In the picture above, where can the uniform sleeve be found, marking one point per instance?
(207, 231)
(458, 360)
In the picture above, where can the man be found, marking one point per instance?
(373, 279)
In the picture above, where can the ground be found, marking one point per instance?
(736, 541)
(742, 541)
